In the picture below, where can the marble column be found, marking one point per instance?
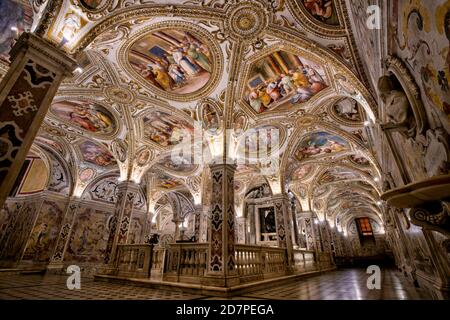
(177, 233)
(198, 222)
(221, 268)
(241, 230)
(251, 222)
(120, 223)
(282, 219)
(309, 230)
(26, 92)
(56, 261)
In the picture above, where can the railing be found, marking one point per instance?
(134, 260)
(185, 262)
(257, 262)
(304, 260)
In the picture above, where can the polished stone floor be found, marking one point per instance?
(345, 284)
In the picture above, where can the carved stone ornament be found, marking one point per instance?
(436, 219)
(246, 20)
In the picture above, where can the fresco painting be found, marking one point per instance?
(86, 115)
(172, 60)
(165, 129)
(281, 80)
(96, 154)
(320, 143)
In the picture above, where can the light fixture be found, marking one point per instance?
(78, 70)
(379, 203)
(376, 179)
(14, 28)
(367, 123)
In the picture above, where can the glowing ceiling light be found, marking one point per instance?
(367, 123)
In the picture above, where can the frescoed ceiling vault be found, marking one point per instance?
(150, 70)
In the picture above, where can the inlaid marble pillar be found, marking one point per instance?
(198, 215)
(251, 222)
(26, 92)
(177, 233)
(309, 230)
(282, 219)
(120, 223)
(221, 268)
(56, 261)
(241, 235)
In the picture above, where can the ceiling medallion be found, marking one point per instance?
(246, 20)
(119, 95)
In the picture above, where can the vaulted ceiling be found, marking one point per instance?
(152, 70)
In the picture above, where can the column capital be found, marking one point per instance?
(220, 162)
(128, 185)
(34, 45)
(305, 214)
(280, 196)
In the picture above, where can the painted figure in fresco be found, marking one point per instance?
(302, 95)
(319, 8)
(177, 74)
(210, 118)
(182, 60)
(320, 143)
(178, 61)
(287, 83)
(299, 84)
(273, 90)
(161, 75)
(197, 55)
(147, 73)
(92, 4)
(89, 118)
(96, 155)
(255, 101)
(165, 130)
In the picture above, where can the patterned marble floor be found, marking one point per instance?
(346, 284)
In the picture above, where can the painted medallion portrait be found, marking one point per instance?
(165, 129)
(173, 60)
(86, 115)
(322, 10)
(86, 174)
(320, 143)
(281, 80)
(96, 154)
(210, 118)
(93, 4)
(359, 160)
(143, 157)
(348, 110)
